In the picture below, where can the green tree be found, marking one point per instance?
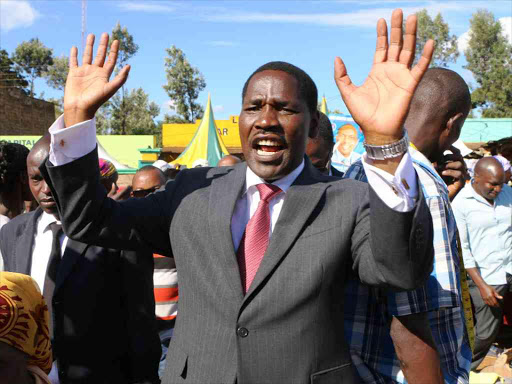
(446, 50)
(184, 83)
(127, 49)
(10, 77)
(136, 116)
(174, 119)
(33, 58)
(489, 58)
(103, 117)
(57, 73)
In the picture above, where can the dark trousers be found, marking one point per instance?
(488, 320)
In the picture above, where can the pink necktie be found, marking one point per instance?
(255, 239)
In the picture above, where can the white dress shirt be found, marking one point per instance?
(43, 246)
(398, 191)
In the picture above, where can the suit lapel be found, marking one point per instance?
(25, 243)
(223, 197)
(72, 253)
(300, 201)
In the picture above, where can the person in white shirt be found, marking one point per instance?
(483, 211)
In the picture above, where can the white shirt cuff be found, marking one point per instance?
(71, 143)
(398, 191)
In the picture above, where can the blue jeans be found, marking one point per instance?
(165, 338)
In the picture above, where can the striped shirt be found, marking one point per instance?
(165, 279)
(368, 311)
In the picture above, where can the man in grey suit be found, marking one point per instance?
(263, 247)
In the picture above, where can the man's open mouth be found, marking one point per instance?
(267, 147)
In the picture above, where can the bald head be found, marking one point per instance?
(489, 178)
(228, 161)
(439, 107)
(40, 150)
(488, 165)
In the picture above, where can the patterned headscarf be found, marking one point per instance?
(24, 319)
(107, 169)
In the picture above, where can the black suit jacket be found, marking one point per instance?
(104, 316)
(288, 327)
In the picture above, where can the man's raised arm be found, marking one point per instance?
(72, 171)
(381, 103)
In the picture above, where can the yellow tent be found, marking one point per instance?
(206, 144)
(323, 107)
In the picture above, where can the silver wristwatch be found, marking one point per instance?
(388, 151)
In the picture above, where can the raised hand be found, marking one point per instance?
(380, 105)
(88, 85)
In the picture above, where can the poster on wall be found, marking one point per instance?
(348, 141)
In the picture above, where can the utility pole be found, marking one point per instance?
(84, 24)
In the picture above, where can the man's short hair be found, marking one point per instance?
(325, 129)
(13, 163)
(150, 168)
(443, 91)
(307, 88)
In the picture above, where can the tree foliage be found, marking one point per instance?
(489, 58)
(10, 76)
(33, 58)
(184, 83)
(134, 114)
(127, 46)
(127, 49)
(446, 48)
(57, 73)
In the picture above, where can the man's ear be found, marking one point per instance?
(313, 125)
(455, 123)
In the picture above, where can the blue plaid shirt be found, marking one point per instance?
(369, 311)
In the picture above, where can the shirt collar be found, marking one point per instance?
(44, 221)
(251, 179)
(474, 194)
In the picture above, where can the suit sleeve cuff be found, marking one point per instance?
(399, 191)
(68, 144)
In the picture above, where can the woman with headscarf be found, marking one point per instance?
(25, 347)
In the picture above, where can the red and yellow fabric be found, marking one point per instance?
(24, 319)
(107, 169)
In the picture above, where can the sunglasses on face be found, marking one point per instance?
(144, 192)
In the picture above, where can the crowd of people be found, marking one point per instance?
(290, 271)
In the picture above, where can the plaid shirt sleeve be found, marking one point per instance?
(369, 311)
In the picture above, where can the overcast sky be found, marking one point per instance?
(227, 40)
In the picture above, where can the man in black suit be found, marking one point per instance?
(100, 300)
(319, 149)
(263, 247)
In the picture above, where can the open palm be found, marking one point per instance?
(380, 105)
(88, 85)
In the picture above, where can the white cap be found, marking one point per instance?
(162, 165)
(200, 163)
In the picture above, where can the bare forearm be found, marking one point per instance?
(475, 276)
(416, 350)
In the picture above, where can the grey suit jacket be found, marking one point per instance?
(288, 328)
(104, 311)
